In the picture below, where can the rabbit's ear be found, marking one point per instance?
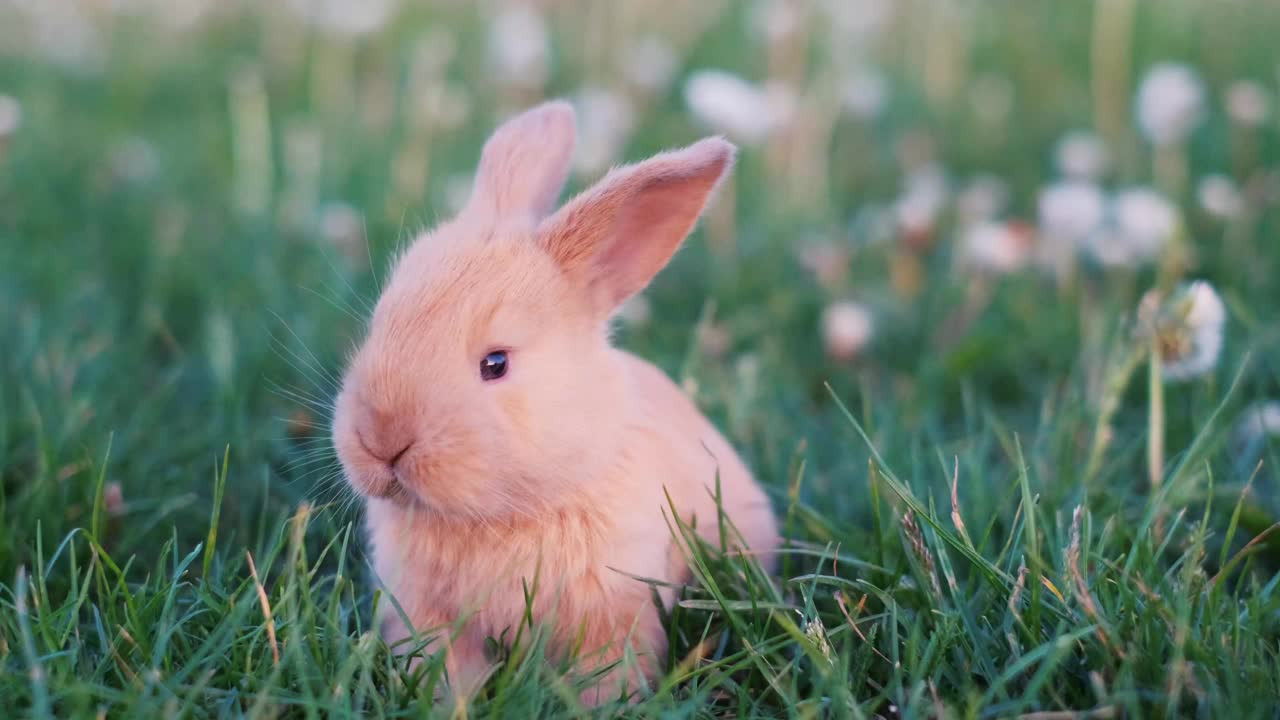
(615, 237)
(525, 162)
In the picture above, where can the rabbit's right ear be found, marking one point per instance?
(526, 161)
(613, 238)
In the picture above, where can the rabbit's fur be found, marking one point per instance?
(557, 469)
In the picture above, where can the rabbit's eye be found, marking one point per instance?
(494, 365)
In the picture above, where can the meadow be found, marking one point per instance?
(990, 305)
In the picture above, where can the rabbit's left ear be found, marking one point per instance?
(525, 163)
(615, 237)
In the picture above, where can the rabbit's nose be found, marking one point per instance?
(384, 436)
(380, 452)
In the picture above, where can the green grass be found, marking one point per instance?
(171, 324)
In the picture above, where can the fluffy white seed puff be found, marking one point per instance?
(1170, 103)
(996, 247)
(520, 46)
(1260, 420)
(1188, 328)
(1248, 103)
(924, 195)
(10, 116)
(650, 62)
(1219, 196)
(846, 329)
(1082, 155)
(1141, 223)
(1071, 210)
(729, 104)
(605, 122)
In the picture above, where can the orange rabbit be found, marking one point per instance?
(497, 435)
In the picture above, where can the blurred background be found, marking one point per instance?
(950, 211)
(1031, 246)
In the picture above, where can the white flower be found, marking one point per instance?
(726, 103)
(928, 180)
(1142, 222)
(915, 216)
(605, 123)
(1258, 421)
(1206, 318)
(1220, 197)
(1187, 327)
(996, 247)
(846, 329)
(1170, 103)
(1082, 155)
(650, 62)
(1248, 103)
(520, 47)
(923, 197)
(346, 17)
(10, 116)
(1146, 214)
(1147, 218)
(984, 197)
(1070, 211)
(866, 92)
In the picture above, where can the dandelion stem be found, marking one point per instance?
(1169, 167)
(1109, 54)
(1155, 436)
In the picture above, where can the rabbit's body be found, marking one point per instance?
(586, 554)
(504, 446)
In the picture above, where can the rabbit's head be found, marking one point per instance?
(486, 385)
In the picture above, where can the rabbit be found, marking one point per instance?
(503, 445)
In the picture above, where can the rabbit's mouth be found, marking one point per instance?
(374, 481)
(392, 490)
